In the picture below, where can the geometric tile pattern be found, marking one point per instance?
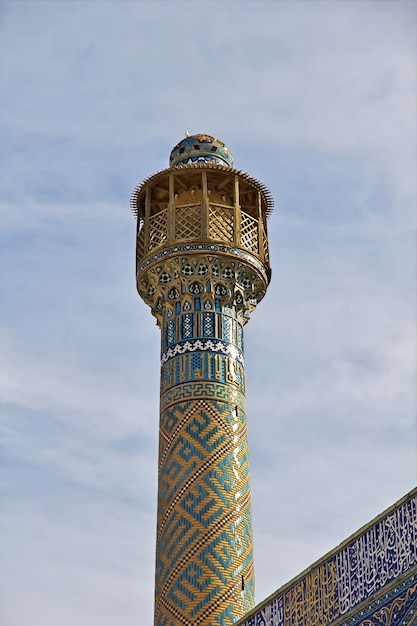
(203, 366)
(204, 389)
(200, 345)
(371, 580)
(197, 146)
(204, 563)
(207, 295)
(210, 248)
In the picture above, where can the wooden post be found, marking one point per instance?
(260, 228)
(171, 210)
(147, 218)
(204, 207)
(237, 215)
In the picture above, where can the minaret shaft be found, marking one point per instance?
(204, 563)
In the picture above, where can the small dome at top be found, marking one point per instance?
(200, 149)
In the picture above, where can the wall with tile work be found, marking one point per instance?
(370, 580)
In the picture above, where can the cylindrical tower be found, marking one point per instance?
(202, 266)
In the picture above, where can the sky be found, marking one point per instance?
(316, 99)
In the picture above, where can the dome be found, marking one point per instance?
(200, 149)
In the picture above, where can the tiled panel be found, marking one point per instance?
(370, 581)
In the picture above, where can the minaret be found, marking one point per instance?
(202, 266)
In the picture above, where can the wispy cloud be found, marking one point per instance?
(318, 100)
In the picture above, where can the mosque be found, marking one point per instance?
(202, 266)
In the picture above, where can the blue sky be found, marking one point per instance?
(318, 101)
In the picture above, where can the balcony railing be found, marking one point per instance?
(188, 225)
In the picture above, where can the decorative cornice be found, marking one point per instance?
(192, 248)
(203, 345)
(154, 178)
